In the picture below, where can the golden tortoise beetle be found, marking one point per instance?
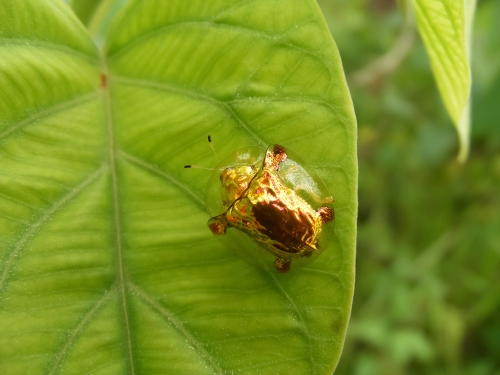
(269, 198)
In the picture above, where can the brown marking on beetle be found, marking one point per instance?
(218, 225)
(326, 214)
(282, 265)
(275, 158)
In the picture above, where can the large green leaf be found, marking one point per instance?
(107, 265)
(442, 25)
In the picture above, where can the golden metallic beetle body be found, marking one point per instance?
(261, 205)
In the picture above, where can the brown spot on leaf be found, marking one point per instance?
(103, 80)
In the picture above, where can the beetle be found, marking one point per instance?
(259, 197)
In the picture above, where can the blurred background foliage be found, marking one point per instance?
(427, 297)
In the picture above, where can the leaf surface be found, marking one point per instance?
(107, 265)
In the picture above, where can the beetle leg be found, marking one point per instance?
(275, 155)
(218, 224)
(326, 213)
(282, 265)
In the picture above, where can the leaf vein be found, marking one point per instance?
(296, 310)
(188, 92)
(31, 118)
(152, 168)
(172, 320)
(35, 226)
(29, 42)
(278, 39)
(72, 336)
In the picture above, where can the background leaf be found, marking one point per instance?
(107, 265)
(85, 9)
(441, 24)
(97, 15)
(465, 118)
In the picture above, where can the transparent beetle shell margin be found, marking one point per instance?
(265, 200)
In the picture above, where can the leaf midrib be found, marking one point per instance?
(117, 218)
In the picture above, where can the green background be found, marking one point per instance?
(427, 297)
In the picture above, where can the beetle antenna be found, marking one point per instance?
(198, 167)
(212, 147)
